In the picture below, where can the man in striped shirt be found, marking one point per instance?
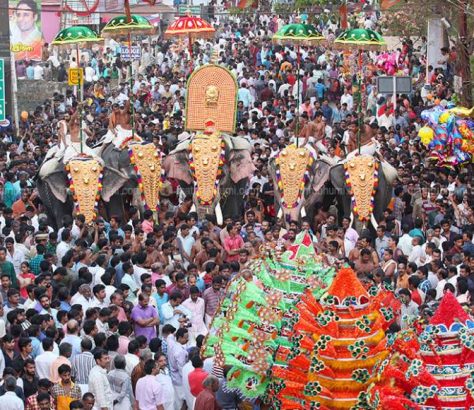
(82, 365)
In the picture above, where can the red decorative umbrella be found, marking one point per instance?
(191, 27)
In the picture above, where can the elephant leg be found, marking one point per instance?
(232, 199)
(55, 209)
(115, 207)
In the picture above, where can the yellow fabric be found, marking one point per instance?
(63, 402)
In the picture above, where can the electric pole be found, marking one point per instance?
(464, 58)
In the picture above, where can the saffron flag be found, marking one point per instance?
(386, 4)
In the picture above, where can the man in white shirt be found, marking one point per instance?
(10, 400)
(409, 309)
(89, 73)
(347, 99)
(38, 72)
(405, 243)
(99, 384)
(177, 358)
(64, 245)
(196, 306)
(173, 312)
(416, 255)
(44, 360)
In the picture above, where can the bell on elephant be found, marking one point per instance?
(146, 160)
(85, 184)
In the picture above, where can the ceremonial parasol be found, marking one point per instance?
(360, 39)
(299, 34)
(190, 27)
(126, 25)
(80, 36)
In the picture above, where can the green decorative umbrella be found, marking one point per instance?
(122, 25)
(126, 25)
(79, 36)
(360, 39)
(299, 34)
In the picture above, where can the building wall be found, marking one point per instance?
(32, 93)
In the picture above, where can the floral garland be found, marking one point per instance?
(351, 193)
(192, 166)
(73, 192)
(302, 183)
(131, 155)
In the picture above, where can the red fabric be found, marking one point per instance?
(196, 377)
(416, 297)
(343, 14)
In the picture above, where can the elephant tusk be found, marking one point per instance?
(303, 211)
(219, 217)
(374, 222)
(352, 219)
(193, 208)
(280, 213)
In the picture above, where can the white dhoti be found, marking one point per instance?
(74, 149)
(119, 137)
(124, 404)
(178, 397)
(367, 149)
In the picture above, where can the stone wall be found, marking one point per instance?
(32, 93)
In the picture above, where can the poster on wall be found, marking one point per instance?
(26, 38)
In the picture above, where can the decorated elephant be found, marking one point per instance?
(299, 180)
(52, 185)
(215, 168)
(364, 187)
(132, 174)
(53, 181)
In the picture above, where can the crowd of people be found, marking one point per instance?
(113, 315)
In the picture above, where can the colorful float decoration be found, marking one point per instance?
(337, 343)
(448, 134)
(447, 349)
(85, 184)
(362, 181)
(255, 320)
(146, 161)
(402, 381)
(293, 166)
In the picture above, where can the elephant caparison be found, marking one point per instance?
(216, 168)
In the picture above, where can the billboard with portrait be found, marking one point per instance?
(26, 38)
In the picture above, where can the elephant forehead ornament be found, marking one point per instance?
(85, 183)
(207, 157)
(146, 160)
(362, 181)
(292, 173)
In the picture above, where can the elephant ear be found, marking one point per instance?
(237, 143)
(177, 166)
(390, 173)
(321, 175)
(113, 181)
(183, 146)
(241, 165)
(52, 172)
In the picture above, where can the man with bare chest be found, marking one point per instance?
(120, 116)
